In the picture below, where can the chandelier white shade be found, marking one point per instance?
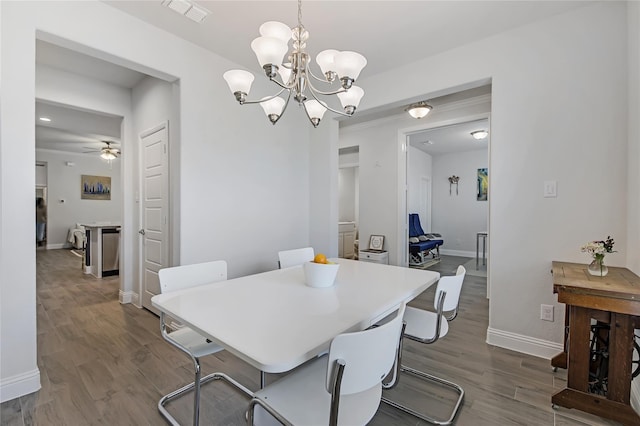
(239, 80)
(479, 134)
(295, 75)
(269, 50)
(272, 106)
(419, 109)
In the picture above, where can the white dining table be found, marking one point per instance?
(275, 322)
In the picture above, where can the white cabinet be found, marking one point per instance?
(346, 239)
(374, 256)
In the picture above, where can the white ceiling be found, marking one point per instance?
(453, 138)
(71, 129)
(388, 33)
(74, 130)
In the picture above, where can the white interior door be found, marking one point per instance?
(155, 210)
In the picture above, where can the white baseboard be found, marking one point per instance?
(544, 349)
(128, 297)
(57, 246)
(462, 253)
(524, 344)
(22, 384)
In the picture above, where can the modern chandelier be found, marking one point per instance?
(295, 73)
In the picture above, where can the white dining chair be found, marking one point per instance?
(341, 388)
(187, 340)
(288, 258)
(427, 327)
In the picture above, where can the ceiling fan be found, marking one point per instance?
(107, 152)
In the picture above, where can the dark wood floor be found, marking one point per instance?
(103, 363)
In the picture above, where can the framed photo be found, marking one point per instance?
(95, 187)
(376, 242)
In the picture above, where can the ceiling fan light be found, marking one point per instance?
(419, 110)
(108, 155)
(479, 134)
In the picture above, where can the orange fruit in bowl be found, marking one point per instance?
(320, 258)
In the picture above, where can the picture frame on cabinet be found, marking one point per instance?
(376, 242)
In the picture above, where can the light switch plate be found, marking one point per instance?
(546, 312)
(550, 189)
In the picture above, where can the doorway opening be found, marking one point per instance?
(111, 87)
(348, 202)
(447, 184)
(41, 204)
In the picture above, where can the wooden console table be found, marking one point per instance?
(614, 299)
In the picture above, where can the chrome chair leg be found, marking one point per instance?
(196, 394)
(425, 376)
(191, 386)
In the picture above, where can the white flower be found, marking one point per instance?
(593, 248)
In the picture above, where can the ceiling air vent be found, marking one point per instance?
(186, 8)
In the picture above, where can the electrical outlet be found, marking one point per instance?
(546, 312)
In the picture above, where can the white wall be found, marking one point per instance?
(323, 187)
(240, 177)
(64, 184)
(153, 102)
(378, 180)
(349, 187)
(457, 213)
(545, 77)
(19, 373)
(419, 173)
(633, 215)
(347, 191)
(459, 217)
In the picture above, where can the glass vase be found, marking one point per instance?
(598, 268)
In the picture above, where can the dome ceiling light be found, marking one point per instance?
(480, 134)
(419, 109)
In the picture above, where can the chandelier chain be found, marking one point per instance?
(300, 13)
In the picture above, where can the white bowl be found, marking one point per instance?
(320, 274)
